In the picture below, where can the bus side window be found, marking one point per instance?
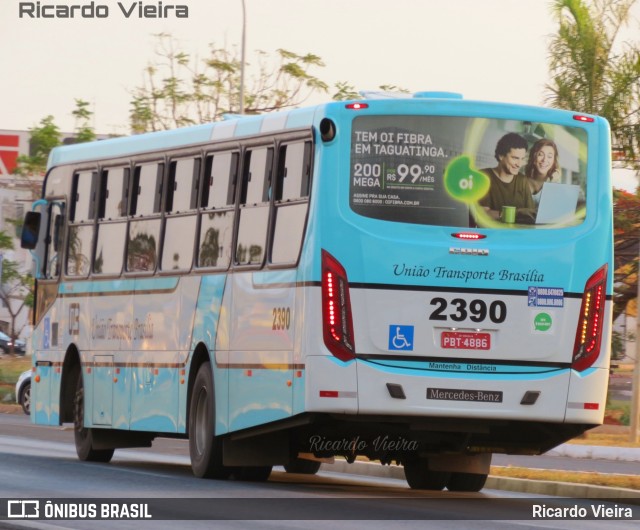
(217, 200)
(254, 206)
(81, 215)
(294, 171)
(182, 185)
(83, 196)
(112, 220)
(144, 231)
(291, 204)
(180, 220)
(114, 187)
(146, 191)
(220, 179)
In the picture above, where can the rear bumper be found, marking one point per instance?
(378, 386)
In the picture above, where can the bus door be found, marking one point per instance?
(44, 235)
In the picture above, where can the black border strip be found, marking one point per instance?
(444, 289)
(431, 288)
(379, 358)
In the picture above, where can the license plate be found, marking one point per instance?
(465, 340)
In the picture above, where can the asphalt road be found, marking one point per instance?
(19, 425)
(40, 463)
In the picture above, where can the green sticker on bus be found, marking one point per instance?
(542, 322)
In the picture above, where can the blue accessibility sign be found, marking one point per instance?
(401, 337)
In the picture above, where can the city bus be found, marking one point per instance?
(331, 281)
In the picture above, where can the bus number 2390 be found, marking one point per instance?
(459, 310)
(281, 318)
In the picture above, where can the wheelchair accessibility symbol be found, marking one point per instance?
(400, 337)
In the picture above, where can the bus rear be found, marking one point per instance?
(461, 314)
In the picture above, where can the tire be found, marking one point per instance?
(254, 473)
(466, 482)
(205, 449)
(420, 477)
(302, 466)
(82, 435)
(25, 398)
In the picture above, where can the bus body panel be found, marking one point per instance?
(130, 384)
(331, 385)
(261, 341)
(211, 325)
(47, 360)
(478, 391)
(587, 397)
(45, 409)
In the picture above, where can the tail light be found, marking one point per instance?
(591, 321)
(336, 309)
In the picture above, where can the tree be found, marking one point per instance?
(626, 237)
(16, 291)
(83, 131)
(32, 167)
(346, 91)
(15, 286)
(180, 90)
(592, 72)
(46, 136)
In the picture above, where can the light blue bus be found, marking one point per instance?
(419, 280)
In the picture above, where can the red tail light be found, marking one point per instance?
(336, 309)
(590, 321)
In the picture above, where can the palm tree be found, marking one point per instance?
(592, 72)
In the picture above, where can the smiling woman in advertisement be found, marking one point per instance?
(542, 166)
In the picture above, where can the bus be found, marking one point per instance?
(332, 281)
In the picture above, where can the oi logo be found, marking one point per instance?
(464, 182)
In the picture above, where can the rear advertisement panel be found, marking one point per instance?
(468, 172)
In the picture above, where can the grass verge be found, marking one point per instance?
(579, 477)
(606, 439)
(10, 369)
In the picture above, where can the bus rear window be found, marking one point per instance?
(468, 172)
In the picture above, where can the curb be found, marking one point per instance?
(621, 454)
(535, 487)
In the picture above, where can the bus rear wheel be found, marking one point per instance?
(253, 473)
(83, 436)
(302, 466)
(420, 477)
(467, 481)
(205, 449)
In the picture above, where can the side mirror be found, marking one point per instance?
(30, 230)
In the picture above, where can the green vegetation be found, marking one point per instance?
(593, 437)
(10, 369)
(597, 437)
(593, 479)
